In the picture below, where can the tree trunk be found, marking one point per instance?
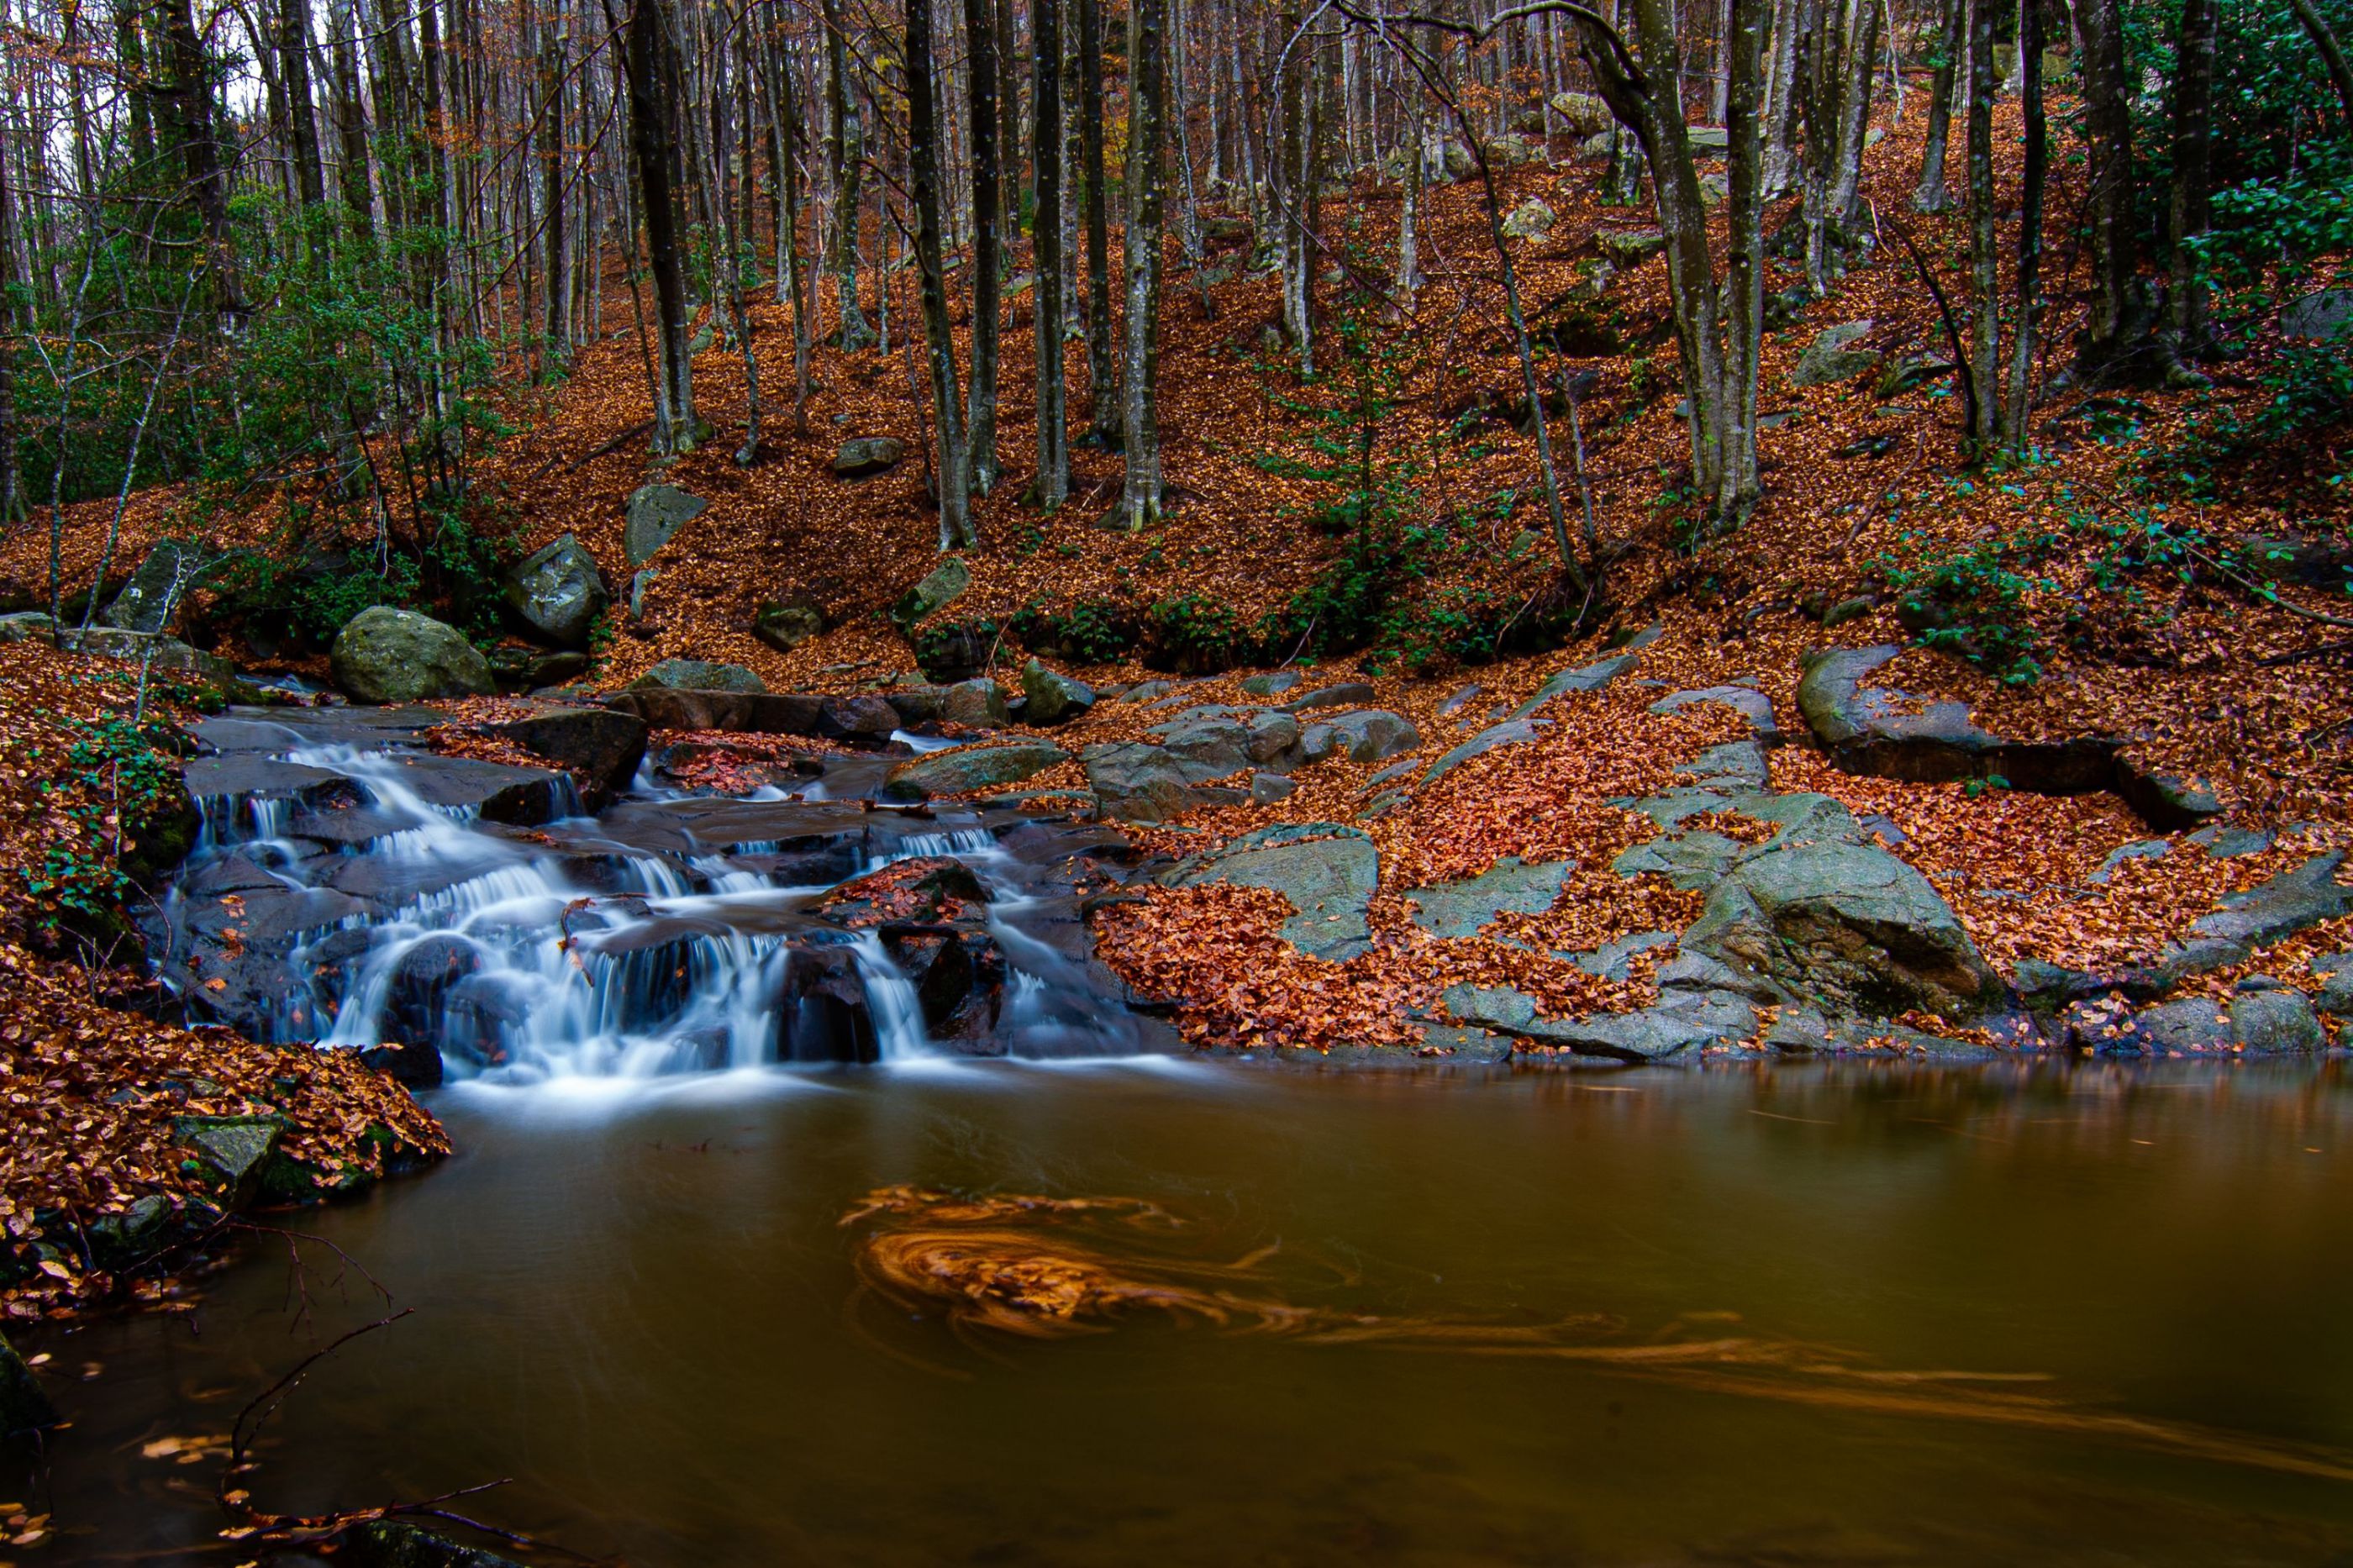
(1746, 24)
(2194, 117)
(1781, 119)
(1985, 321)
(653, 87)
(1854, 116)
(1103, 374)
(1053, 485)
(2113, 333)
(987, 212)
(1931, 196)
(2020, 413)
(201, 160)
(1147, 111)
(293, 45)
(350, 126)
(551, 166)
(939, 333)
(845, 156)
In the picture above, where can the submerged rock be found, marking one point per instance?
(601, 745)
(383, 655)
(391, 1544)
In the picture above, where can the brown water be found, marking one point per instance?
(643, 1308)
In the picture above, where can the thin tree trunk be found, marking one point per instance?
(2019, 417)
(1053, 486)
(2112, 335)
(1931, 195)
(845, 156)
(2193, 118)
(987, 212)
(939, 335)
(653, 78)
(1746, 23)
(1102, 373)
(1985, 321)
(2332, 56)
(1147, 110)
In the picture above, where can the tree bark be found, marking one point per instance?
(1103, 374)
(939, 333)
(987, 212)
(653, 78)
(2332, 55)
(293, 45)
(2020, 412)
(1147, 111)
(2193, 119)
(2113, 332)
(1931, 196)
(845, 157)
(1746, 24)
(201, 158)
(1985, 321)
(552, 163)
(1053, 485)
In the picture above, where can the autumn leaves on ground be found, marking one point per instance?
(2206, 678)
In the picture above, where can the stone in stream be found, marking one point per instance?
(959, 980)
(655, 513)
(1459, 908)
(1051, 697)
(968, 768)
(557, 591)
(230, 1153)
(383, 655)
(157, 592)
(1327, 871)
(600, 745)
(23, 1406)
(863, 455)
(1135, 781)
(976, 705)
(699, 675)
(746, 712)
(940, 587)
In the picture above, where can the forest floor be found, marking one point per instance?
(2206, 678)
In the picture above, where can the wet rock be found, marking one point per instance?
(943, 586)
(968, 768)
(867, 455)
(517, 669)
(1137, 782)
(745, 712)
(156, 593)
(1511, 733)
(415, 1064)
(383, 655)
(1265, 789)
(119, 1241)
(823, 1015)
(2290, 902)
(785, 627)
(1586, 678)
(391, 1544)
(1363, 735)
(698, 675)
(1833, 357)
(1051, 697)
(977, 704)
(23, 1406)
(600, 745)
(1849, 928)
(654, 514)
(2193, 1024)
(558, 592)
(1346, 694)
(1327, 871)
(1883, 731)
(959, 980)
(2335, 995)
(1460, 908)
(2274, 1023)
(231, 1154)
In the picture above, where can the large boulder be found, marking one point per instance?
(153, 596)
(976, 705)
(785, 626)
(943, 586)
(558, 592)
(1848, 927)
(1833, 356)
(1873, 729)
(1051, 697)
(655, 512)
(1329, 872)
(747, 712)
(1628, 247)
(1361, 734)
(699, 675)
(155, 650)
(1230, 739)
(1586, 113)
(970, 768)
(600, 745)
(1137, 782)
(1532, 220)
(864, 454)
(383, 655)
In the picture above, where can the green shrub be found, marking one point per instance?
(1086, 631)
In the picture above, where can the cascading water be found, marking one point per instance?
(356, 891)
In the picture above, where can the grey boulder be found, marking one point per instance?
(1363, 735)
(1833, 357)
(865, 455)
(558, 592)
(940, 587)
(152, 599)
(970, 768)
(1051, 697)
(976, 705)
(1328, 872)
(655, 513)
(698, 675)
(383, 655)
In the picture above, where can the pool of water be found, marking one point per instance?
(1627, 1317)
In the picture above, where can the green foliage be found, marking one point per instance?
(1972, 604)
(132, 790)
(1196, 635)
(1088, 631)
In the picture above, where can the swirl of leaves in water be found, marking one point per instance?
(1016, 1265)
